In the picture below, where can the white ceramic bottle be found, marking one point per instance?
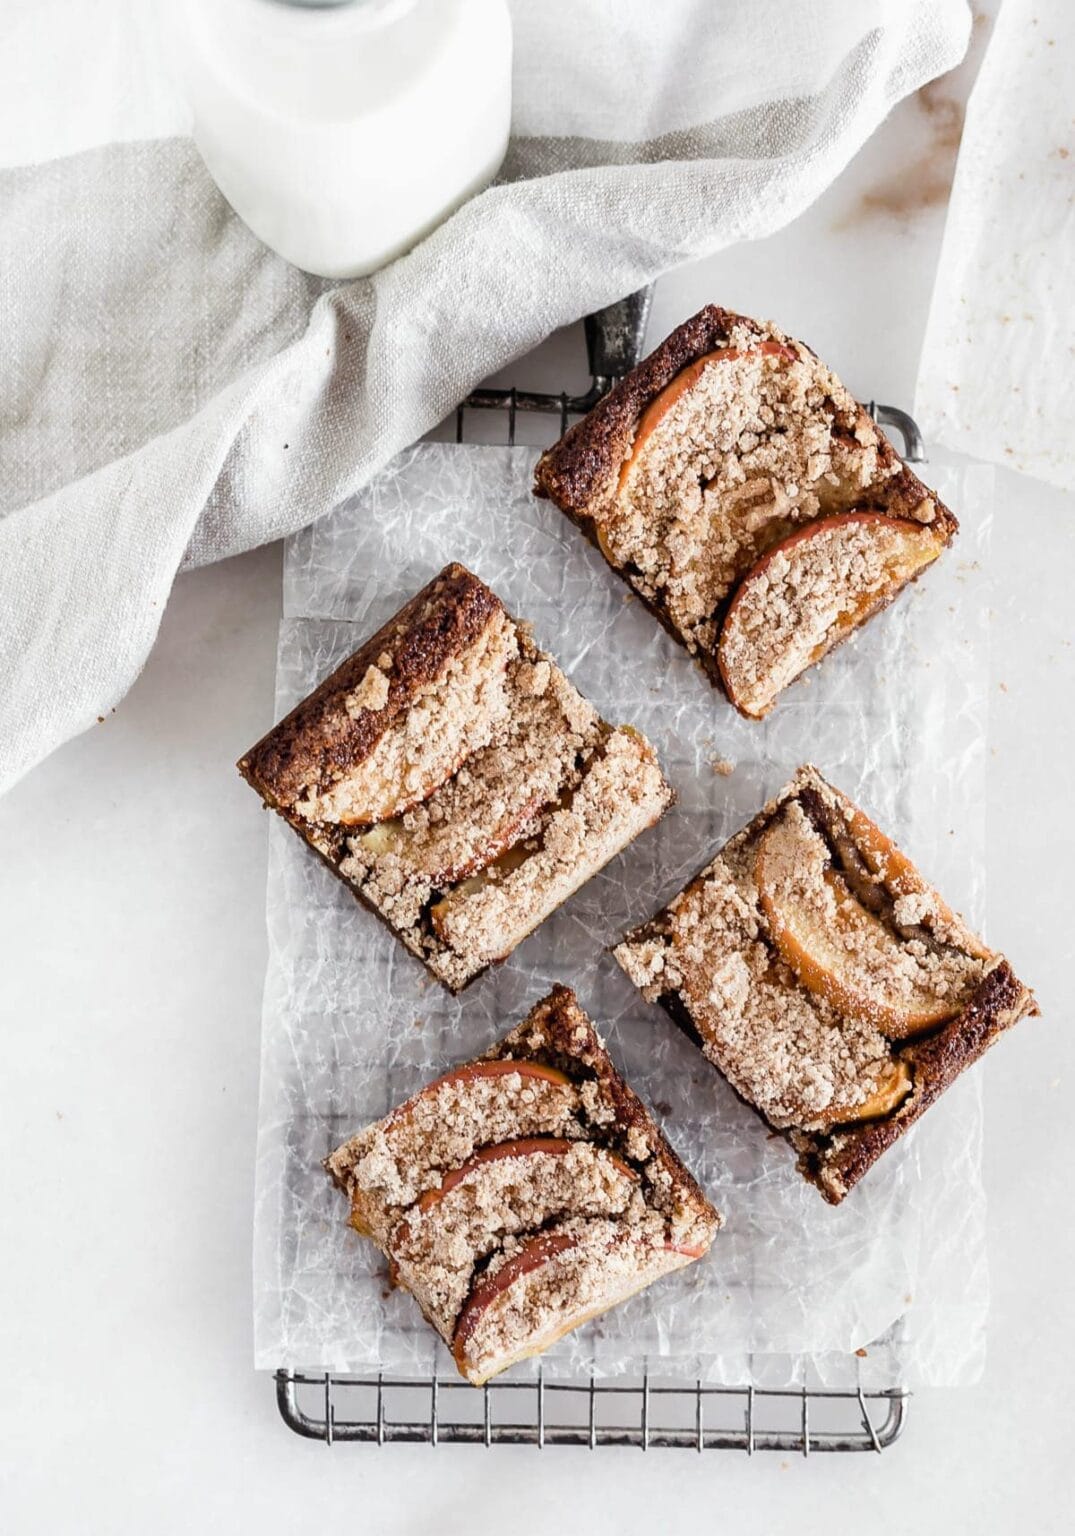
(342, 131)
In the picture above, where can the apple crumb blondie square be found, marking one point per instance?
(832, 986)
(450, 774)
(748, 499)
(523, 1193)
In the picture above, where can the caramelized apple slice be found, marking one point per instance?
(688, 1250)
(503, 1067)
(808, 593)
(424, 744)
(534, 1254)
(545, 1105)
(521, 1146)
(540, 1256)
(657, 409)
(423, 852)
(884, 1100)
(839, 950)
(443, 1125)
(901, 878)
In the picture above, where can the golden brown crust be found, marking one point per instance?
(836, 1163)
(572, 471)
(835, 1158)
(321, 737)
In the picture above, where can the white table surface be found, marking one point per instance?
(131, 914)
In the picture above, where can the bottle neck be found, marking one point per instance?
(338, 5)
(344, 16)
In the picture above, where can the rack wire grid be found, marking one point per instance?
(647, 1412)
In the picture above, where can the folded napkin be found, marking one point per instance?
(998, 362)
(175, 393)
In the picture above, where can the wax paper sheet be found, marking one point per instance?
(792, 1289)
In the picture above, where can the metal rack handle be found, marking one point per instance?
(615, 336)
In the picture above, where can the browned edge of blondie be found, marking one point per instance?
(319, 734)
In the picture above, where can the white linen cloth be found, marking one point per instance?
(175, 393)
(998, 364)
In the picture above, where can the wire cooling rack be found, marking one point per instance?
(646, 1412)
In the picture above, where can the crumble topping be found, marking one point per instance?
(491, 803)
(806, 1054)
(462, 1180)
(371, 693)
(919, 907)
(436, 1250)
(387, 1166)
(620, 794)
(783, 1049)
(450, 717)
(785, 614)
(600, 1264)
(486, 801)
(755, 447)
(914, 975)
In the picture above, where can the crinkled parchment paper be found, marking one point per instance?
(352, 1024)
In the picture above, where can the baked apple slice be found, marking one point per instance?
(916, 901)
(886, 1098)
(481, 1071)
(557, 1281)
(840, 951)
(808, 593)
(520, 1146)
(512, 1187)
(683, 382)
(415, 750)
(441, 1127)
(436, 854)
